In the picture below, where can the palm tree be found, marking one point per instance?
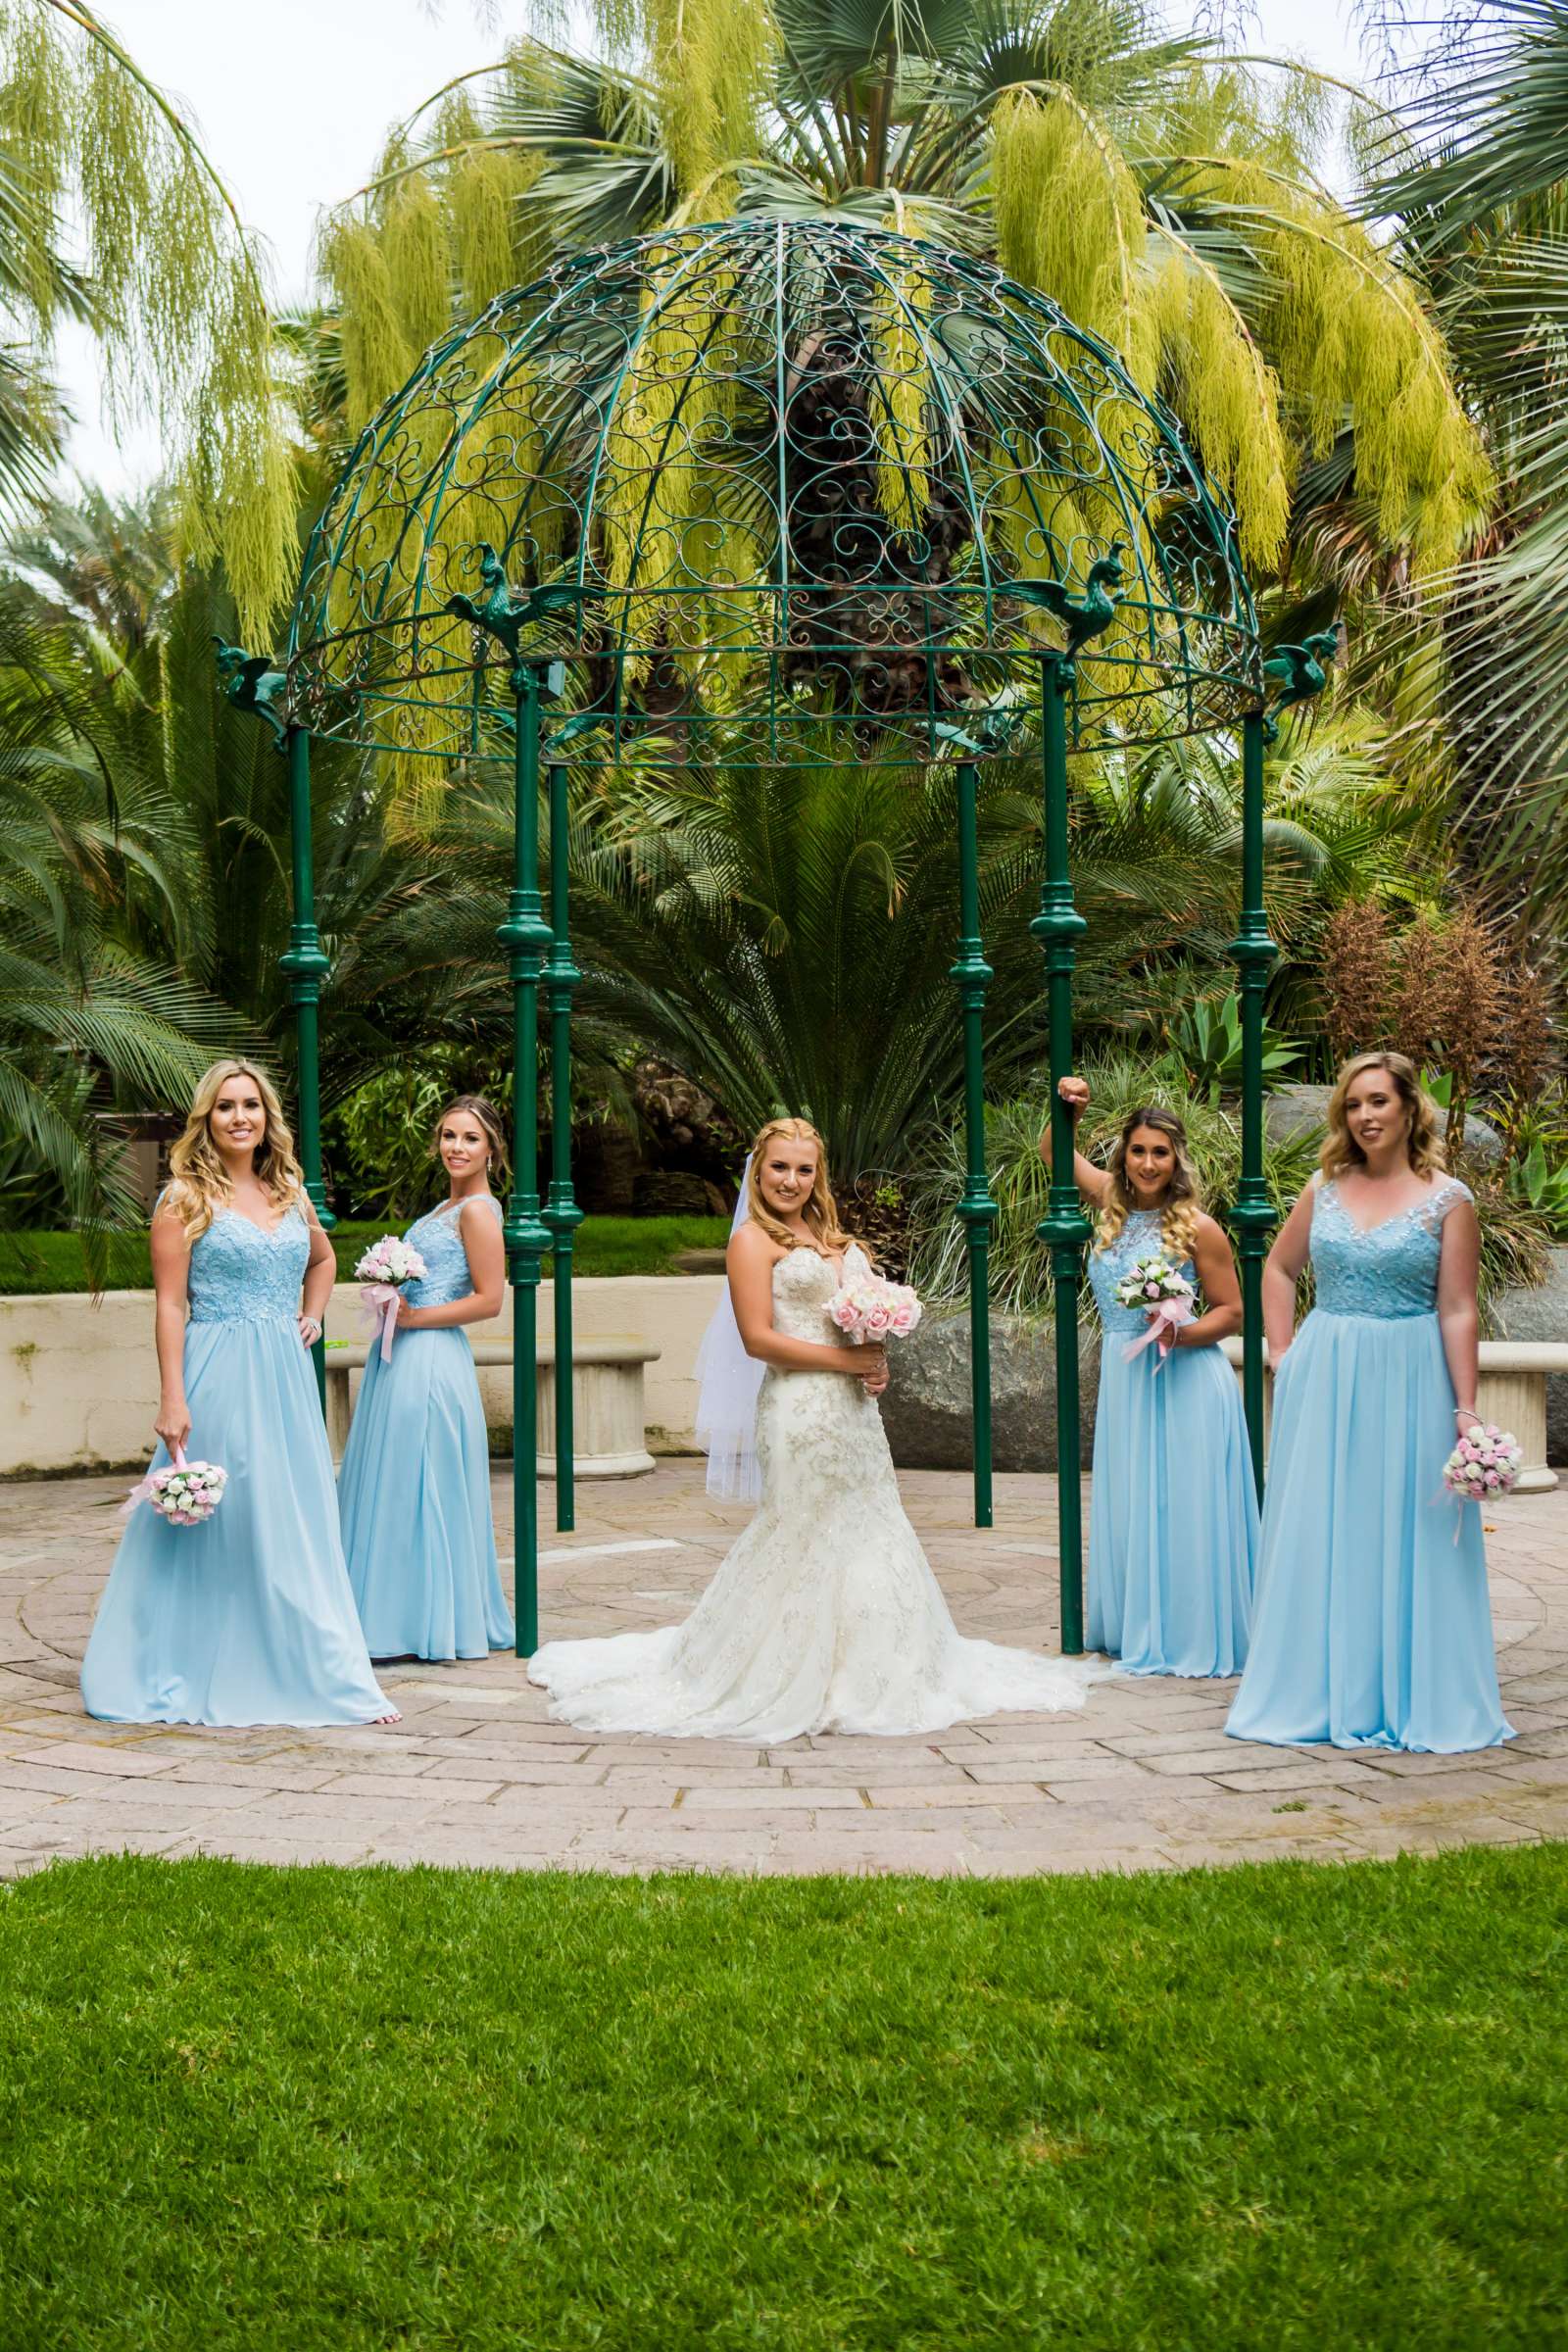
(1479, 188)
(1167, 200)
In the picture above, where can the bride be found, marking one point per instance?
(825, 1615)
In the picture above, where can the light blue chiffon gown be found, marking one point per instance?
(1373, 1627)
(415, 1486)
(1173, 1517)
(247, 1619)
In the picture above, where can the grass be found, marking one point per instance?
(1287, 2106)
(35, 1263)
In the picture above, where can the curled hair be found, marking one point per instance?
(487, 1118)
(1181, 1206)
(199, 1183)
(821, 1212)
(1425, 1143)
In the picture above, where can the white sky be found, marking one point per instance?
(293, 99)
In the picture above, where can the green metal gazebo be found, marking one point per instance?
(752, 495)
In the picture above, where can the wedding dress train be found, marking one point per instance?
(825, 1615)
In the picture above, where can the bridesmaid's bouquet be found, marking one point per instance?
(874, 1309)
(1484, 1464)
(1154, 1283)
(183, 1493)
(381, 1274)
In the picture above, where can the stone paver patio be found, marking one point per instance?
(476, 1774)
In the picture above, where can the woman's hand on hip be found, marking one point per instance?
(172, 1424)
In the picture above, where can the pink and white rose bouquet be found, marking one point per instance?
(1484, 1464)
(1153, 1284)
(872, 1308)
(381, 1274)
(183, 1493)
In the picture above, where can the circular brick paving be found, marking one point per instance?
(476, 1774)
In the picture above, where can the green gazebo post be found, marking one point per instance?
(560, 1214)
(1065, 1228)
(253, 685)
(1298, 671)
(977, 1209)
(526, 935)
(1253, 1213)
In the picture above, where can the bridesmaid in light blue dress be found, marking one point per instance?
(415, 1486)
(247, 1619)
(1173, 1520)
(1373, 1626)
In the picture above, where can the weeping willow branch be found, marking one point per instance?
(179, 302)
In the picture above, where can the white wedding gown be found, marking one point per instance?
(825, 1615)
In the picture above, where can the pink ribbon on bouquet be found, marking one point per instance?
(1164, 1322)
(382, 1300)
(144, 1485)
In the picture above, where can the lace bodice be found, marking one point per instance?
(439, 1241)
(802, 1285)
(1137, 1238)
(1390, 1271)
(239, 1274)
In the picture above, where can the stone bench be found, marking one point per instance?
(609, 1427)
(1511, 1391)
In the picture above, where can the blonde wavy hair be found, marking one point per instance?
(1180, 1207)
(1425, 1143)
(199, 1185)
(822, 1210)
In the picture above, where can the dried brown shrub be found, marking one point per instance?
(1359, 978)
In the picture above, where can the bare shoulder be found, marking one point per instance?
(1210, 1233)
(749, 1245)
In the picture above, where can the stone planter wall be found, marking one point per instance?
(78, 1382)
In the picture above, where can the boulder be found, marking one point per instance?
(1541, 1312)
(926, 1410)
(1291, 1112)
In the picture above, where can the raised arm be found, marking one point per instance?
(1282, 1271)
(171, 1256)
(1094, 1183)
(1457, 1312)
(1216, 1272)
(750, 1261)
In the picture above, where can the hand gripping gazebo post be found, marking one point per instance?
(770, 493)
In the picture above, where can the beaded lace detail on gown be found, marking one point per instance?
(825, 1615)
(438, 1239)
(1390, 1269)
(1140, 1237)
(239, 1274)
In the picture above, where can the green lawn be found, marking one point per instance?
(1254, 2110)
(30, 1263)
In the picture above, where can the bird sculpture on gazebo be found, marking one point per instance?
(1299, 673)
(255, 685)
(503, 615)
(1082, 618)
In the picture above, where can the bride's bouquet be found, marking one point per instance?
(874, 1309)
(381, 1274)
(1153, 1284)
(183, 1493)
(1484, 1464)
